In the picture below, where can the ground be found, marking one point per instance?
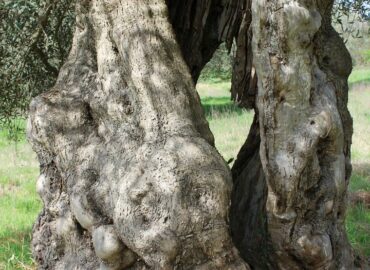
(19, 203)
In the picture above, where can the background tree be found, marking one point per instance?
(35, 40)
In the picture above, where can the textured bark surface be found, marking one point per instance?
(244, 78)
(129, 178)
(202, 25)
(305, 130)
(248, 219)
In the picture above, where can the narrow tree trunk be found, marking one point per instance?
(305, 131)
(129, 178)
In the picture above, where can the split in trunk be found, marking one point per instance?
(129, 175)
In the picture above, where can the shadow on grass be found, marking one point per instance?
(219, 106)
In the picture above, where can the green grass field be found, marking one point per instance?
(19, 203)
(360, 76)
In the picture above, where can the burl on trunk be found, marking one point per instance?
(291, 176)
(130, 178)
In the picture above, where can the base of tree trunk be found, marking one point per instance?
(130, 178)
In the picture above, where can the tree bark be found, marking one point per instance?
(248, 216)
(129, 177)
(304, 130)
(201, 26)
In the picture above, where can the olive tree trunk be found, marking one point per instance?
(291, 176)
(129, 177)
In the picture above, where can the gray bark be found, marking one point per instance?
(129, 176)
(302, 137)
(299, 173)
(201, 26)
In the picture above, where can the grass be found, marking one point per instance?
(358, 229)
(360, 75)
(20, 205)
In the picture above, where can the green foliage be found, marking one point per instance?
(35, 39)
(220, 66)
(346, 7)
(14, 130)
(360, 181)
(348, 13)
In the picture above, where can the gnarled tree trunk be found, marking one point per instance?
(291, 176)
(129, 175)
(304, 149)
